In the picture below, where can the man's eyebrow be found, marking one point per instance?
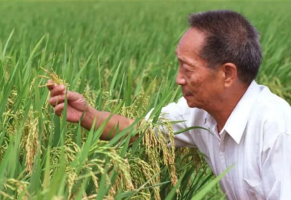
(180, 59)
(185, 60)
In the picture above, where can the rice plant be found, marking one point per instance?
(120, 56)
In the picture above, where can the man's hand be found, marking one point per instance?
(77, 105)
(76, 102)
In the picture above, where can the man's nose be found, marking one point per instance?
(180, 80)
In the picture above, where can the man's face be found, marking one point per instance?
(200, 85)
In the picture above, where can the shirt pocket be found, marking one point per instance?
(254, 189)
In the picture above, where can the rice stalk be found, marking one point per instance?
(54, 77)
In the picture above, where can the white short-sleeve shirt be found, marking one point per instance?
(256, 139)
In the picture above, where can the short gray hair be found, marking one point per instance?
(229, 38)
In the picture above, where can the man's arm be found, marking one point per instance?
(77, 108)
(100, 116)
(276, 165)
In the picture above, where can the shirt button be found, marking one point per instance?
(222, 149)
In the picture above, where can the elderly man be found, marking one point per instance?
(248, 126)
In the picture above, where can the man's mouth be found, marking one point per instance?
(185, 94)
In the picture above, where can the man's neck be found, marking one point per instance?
(223, 109)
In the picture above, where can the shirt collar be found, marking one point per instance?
(236, 123)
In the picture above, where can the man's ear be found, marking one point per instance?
(230, 73)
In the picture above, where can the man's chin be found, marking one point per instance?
(191, 105)
(191, 102)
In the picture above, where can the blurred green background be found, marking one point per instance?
(121, 56)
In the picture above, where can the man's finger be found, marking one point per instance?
(59, 109)
(53, 101)
(50, 84)
(57, 90)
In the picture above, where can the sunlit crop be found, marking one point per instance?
(120, 56)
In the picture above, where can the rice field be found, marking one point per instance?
(121, 57)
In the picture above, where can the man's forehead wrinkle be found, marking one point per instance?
(188, 48)
(188, 54)
(187, 59)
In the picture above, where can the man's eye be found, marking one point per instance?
(186, 68)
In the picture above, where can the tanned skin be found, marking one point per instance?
(217, 91)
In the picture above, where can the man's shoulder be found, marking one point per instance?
(180, 109)
(273, 110)
(272, 103)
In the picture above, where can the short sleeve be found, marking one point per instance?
(179, 114)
